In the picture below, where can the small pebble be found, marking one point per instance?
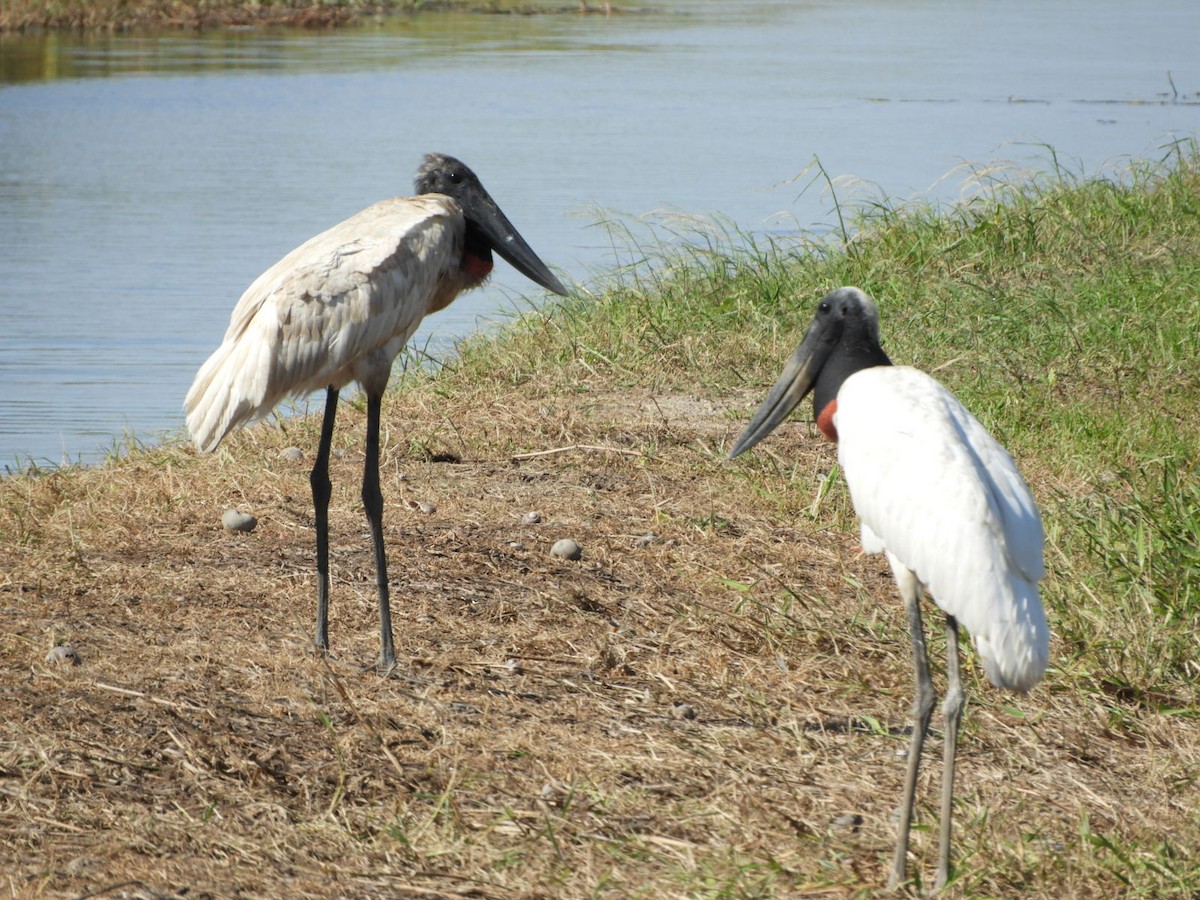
(683, 710)
(567, 549)
(1049, 844)
(645, 540)
(292, 454)
(531, 518)
(426, 507)
(233, 520)
(849, 820)
(64, 653)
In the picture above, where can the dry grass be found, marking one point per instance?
(690, 717)
(718, 712)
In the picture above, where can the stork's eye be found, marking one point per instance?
(455, 176)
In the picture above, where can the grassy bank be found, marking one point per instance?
(710, 702)
(127, 15)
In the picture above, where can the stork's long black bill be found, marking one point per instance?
(798, 377)
(507, 241)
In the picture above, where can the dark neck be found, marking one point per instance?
(477, 255)
(853, 352)
(475, 243)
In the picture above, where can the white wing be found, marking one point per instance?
(337, 308)
(936, 490)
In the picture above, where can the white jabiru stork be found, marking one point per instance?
(339, 308)
(938, 495)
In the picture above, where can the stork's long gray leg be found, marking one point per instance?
(952, 708)
(372, 499)
(923, 703)
(321, 490)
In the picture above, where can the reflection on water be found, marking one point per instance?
(517, 35)
(146, 180)
(391, 41)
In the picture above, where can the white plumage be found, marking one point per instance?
(933, 488)
(944, 501)
(340, 308)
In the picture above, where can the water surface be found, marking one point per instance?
(146, 180)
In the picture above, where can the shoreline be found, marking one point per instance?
(26, 17)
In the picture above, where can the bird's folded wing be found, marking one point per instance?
(358, 288)
(944, 497)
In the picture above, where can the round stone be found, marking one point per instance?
(63, 654)
(234, 520)
(566, 549)
(850, 820)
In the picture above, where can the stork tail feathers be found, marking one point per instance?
(1015, 647)
(230, 390)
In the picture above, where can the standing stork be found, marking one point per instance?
(938, 495)
(339, 308)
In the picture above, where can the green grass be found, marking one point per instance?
(1064, 312)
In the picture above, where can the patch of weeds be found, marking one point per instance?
(1143, 870)
(1141, 536)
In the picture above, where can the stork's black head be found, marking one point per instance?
(441, 174)
(487, 227)
(849, 321)
(848, 311)
(843, 338)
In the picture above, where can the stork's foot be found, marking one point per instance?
(943, 877)
(387, 666)
(899, 882)
(395, 673)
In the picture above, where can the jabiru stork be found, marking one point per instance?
(339, 308)
(942, 498)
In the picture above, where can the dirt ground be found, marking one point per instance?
(712, 701)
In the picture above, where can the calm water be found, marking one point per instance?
(145, 181)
